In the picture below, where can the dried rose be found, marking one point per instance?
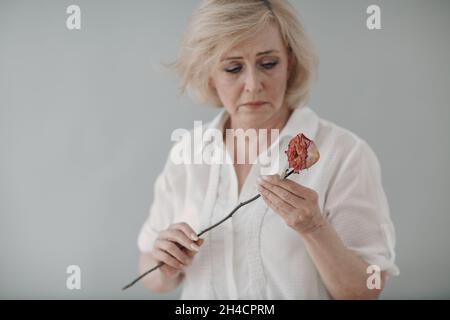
(302, 153)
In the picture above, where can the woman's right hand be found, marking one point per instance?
(176, 247)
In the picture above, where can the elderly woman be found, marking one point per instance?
(322, 234)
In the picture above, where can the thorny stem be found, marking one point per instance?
(286, 174)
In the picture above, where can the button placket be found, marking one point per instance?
(228, 229)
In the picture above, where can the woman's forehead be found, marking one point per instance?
(236, 56)
(265, 42)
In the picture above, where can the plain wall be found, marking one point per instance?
(86, 118)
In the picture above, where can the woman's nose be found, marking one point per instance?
(253, 81)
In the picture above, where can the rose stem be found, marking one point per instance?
(206, 230)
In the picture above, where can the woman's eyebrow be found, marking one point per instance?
(258, 54)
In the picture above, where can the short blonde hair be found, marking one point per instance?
(219, 25)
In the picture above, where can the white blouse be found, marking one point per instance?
(255, 254)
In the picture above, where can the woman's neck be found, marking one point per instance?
(277, 122)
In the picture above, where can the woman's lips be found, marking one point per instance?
(254, 105)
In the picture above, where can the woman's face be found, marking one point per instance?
(256, 70)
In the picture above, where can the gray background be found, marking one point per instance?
(86, 118)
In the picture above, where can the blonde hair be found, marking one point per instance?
(219, 25)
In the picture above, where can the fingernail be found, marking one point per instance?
(194, 237)
(267, 178)
(195, 247)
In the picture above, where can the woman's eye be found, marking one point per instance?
(269, 65)
(233, 70)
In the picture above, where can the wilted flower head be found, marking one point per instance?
(302, 153)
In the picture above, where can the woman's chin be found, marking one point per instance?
(253, 119)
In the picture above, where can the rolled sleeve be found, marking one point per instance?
(167, 191)
(160, 214)
(357, 207)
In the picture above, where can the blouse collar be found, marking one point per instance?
(302, 120)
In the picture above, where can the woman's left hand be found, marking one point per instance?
(296, 204)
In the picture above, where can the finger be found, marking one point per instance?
(275, 200)
(296, 220)
(177, 235)
(192, 253)
(283, 193)
(292, 186)
(168, 270)
(171, 248)
(275, 208)
(163, 256)
(305, 193)
(292, 220)
(188, 231)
